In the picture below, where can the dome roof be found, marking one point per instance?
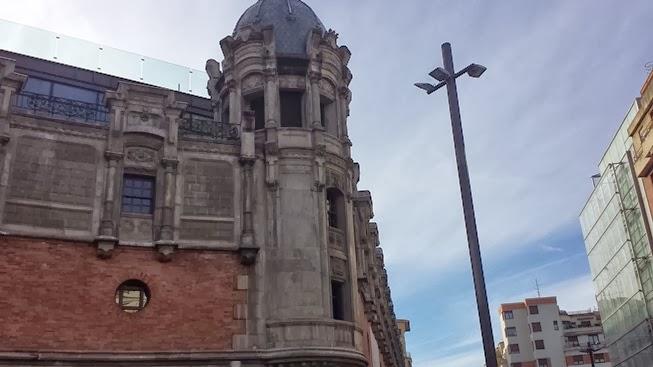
(292, 20)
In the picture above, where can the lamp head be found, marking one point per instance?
(476, 70)
(440, 74)
(429, 88)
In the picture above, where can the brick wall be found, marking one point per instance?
(57, 296)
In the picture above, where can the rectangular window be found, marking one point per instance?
(579, 360)
(599, 358)
(257, 105)
(539, 344)
(533, 310)
(513, 348)
(515, 364)
(593, 339)
(138, 194)
(511, 331)
(291, 109)
(536, 327)
(338, 299)
(572, 341)
(507, 315)
(586, 323)
(555, 325)
(542, 363)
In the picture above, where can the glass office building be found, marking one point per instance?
(618, 242)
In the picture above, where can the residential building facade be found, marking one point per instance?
(617, 231)
(536, 333)
(144, 225)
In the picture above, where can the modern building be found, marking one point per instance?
(145, 222)
(536, 333)
(617, 232)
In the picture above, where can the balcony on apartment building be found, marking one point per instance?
(640, 130)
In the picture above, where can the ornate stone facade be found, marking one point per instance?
(260, 172)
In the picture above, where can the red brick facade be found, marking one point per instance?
(58, 296)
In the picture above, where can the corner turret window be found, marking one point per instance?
(338, 299)
(328, 116)
(335, 208)
(256, 103)
(291, 108)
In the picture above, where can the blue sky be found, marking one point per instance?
(561, 76)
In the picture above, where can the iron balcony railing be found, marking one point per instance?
(194, 126)
(58, 107)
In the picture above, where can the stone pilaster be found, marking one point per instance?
(166, 243)
(107, 238)
(271, 96)
(316, 117)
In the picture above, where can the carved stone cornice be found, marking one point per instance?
(113, 156)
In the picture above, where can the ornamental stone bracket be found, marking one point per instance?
(105, 246)
(165, 249)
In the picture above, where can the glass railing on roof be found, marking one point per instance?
(83, 54)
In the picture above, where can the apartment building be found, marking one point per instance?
(536, 333)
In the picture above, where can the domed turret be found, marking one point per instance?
(292, 22)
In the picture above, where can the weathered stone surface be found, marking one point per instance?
(208, 188)
(206, 230)
(39, 216)
(53, 171)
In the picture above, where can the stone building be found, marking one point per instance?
(147, 226)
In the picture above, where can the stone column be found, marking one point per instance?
(166, 242)
(271, 96)
(315, 100)
(344, 96)
(108, 238)
(234, 102)
(248, 248)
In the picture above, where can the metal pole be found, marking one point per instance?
(468, 209)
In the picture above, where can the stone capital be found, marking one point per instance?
(170, 164)
(315, 76)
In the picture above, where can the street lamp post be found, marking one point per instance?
(589, 350)
(447, 77)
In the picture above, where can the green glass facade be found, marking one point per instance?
(618, 245)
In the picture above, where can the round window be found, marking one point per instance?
(132, 295)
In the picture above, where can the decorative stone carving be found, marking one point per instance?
(252, 82)
(214, 72)
(338, 268)
(335, 180)
(139, 156)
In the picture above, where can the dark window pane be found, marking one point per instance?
(38, 86)
(74, 93)
(291, 109)
(138, 194)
